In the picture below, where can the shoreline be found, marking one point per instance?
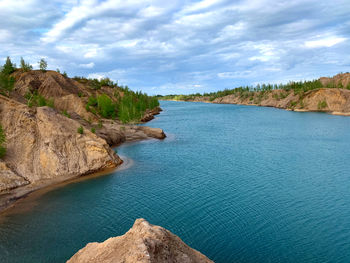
(335, 113)
(13, 202)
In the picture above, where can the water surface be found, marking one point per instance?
(238, 183)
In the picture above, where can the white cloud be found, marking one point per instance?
(325, 42)
(89, 65)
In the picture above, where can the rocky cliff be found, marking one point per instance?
(44, 145)
(142, 243)
(333, 98)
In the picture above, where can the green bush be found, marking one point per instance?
(65, 113)
(106, 107)
(2, 142)
(80, 130)
(322, 104)
(35, 99)
(6, 84)
(93, 130)
(25, 66)
(92, 101)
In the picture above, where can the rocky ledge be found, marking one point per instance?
(144, 243)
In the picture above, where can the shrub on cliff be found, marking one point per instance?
(80, 130)
(6, 84)
(322, 104)
(42, 65)
(2, 142)
(35, 99)
(25, 66)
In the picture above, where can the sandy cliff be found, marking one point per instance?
(334, 101)
(142, 243)
(333, 98)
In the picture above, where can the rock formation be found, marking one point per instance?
(330, 99)
(142, 243)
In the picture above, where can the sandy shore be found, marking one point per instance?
(22, 198)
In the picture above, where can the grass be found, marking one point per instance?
(322, 104)
(80, 130)
(35, 99)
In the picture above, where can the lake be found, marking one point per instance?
(238, 183)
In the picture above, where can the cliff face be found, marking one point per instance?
(142, 243)
(334, 101)
(334, 98)
(43, 144)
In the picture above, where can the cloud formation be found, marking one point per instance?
(181, 46)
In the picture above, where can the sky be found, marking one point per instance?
(180, 47)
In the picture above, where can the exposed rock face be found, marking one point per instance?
(332, 100)
(116, 133)
(342, 78)
(149, 115)
(43, 144)
(142, 243)
(9, 180)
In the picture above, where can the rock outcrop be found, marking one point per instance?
(9, 180)
(43, 144)
(142, 243)
(333, 98)
(116, 133)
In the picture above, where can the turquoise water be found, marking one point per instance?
(238, 183)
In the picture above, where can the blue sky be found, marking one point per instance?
(167, 47)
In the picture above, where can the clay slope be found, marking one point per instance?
(51, 84)
(45, 145)
(331, 100)
(142, 243)
(339, 80)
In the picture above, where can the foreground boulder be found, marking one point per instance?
(142, 243)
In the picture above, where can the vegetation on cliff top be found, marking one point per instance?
(127, 105)
(248, 91)
(124, 104)
(6, 81)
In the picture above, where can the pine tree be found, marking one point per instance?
(8, 67)
(42, 65)
(25, 66)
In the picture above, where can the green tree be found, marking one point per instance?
(106, 107)
(2, 142)
(8, 67)
(25, 66)
(6, 83)
(42, 65)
